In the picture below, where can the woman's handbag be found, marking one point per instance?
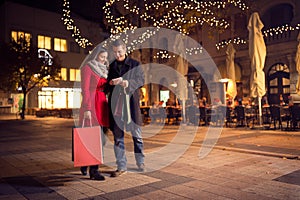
(87, 145)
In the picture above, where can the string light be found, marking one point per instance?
(69, 23)
(280, 30)
(172, 17)
(225, 43)
(267, 33)
(164, 54)
(195, 50)
(168, 14)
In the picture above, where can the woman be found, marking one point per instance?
(94, 106)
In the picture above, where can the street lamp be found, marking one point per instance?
(224, 81)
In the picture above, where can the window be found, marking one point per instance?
(52, 98)
(44, 42)
(18, 35)
(63, 74)
(74, 75)
(60, 45)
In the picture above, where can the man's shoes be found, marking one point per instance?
(95, 175)
(83, 171)
(141, 167)
(118, 173)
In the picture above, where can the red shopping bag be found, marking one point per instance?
(87, 146)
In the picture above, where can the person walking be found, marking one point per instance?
(94, 105)
(125, 78)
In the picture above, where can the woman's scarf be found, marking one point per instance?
(98, 68)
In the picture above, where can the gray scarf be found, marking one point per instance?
(98, 68)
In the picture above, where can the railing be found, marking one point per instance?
(282, 37)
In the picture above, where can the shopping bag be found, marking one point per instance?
(119, 106)
(87, 146)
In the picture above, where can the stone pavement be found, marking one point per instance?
(35, 160)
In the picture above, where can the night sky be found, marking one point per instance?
(88, 9)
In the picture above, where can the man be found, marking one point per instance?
(125, 78)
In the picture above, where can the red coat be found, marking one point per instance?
(93, 97)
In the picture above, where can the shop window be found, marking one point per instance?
(74, 99)
(59, 99)
(60, 45)
(52, 98)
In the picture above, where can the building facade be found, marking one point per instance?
(281, 19)
(47, 31)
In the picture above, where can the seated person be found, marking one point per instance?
(154, 112)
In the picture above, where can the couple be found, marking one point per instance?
(121, 82)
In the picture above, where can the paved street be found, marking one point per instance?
(35, 160)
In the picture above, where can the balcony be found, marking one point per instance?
(286, 36)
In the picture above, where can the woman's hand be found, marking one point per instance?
(87, 115)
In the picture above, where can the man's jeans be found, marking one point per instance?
(119, 146)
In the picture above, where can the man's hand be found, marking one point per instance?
(116, 81)
(124, 84)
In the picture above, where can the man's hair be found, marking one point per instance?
(118, 42)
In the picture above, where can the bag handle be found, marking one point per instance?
(84, 120)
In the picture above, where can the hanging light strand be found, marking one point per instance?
(171, 17)
(271, 32)
(69, 23)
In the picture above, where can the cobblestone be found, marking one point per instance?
(35, 161)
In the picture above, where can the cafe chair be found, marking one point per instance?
(192, 114)
(240, 116)
(203, 116)
(230, 117)
(275, 116)
(172, 115)
(295, 117)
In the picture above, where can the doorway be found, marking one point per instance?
(278, 83)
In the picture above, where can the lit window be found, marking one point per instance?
(74, 75)
(74, 99)
(59, 99)
(60, 45)
(78, 77)
(18, 35)
(14, 35)
(44, 42)
(63, 74)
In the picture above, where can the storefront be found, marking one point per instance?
(55, 98)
